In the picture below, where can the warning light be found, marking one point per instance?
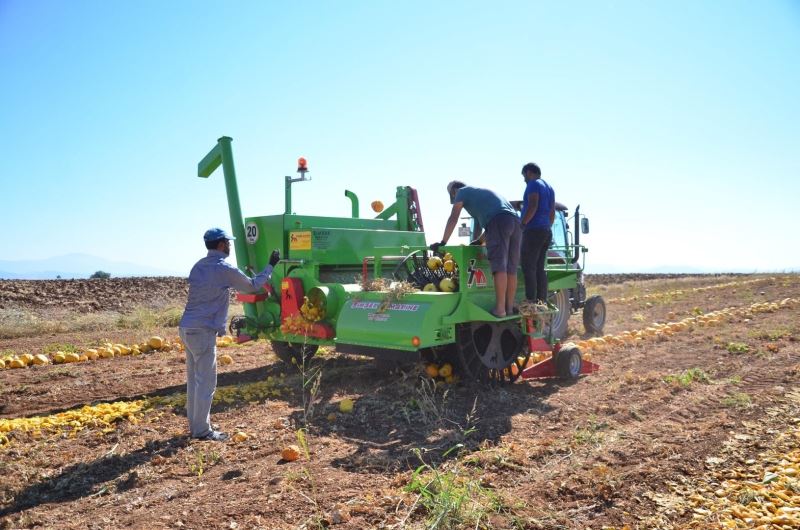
(377, 206)
(302, 164)
(415, 341)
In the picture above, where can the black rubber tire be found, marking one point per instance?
(287, 351)
(594, 315)
(568, 363)
(560, 323)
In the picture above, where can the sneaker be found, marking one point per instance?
(213, 436)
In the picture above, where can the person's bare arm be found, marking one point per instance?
(452, 221)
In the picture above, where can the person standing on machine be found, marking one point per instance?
(538, 214)
(497, 217)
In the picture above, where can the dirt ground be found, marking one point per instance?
(628, 446)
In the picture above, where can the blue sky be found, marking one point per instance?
(675, 125)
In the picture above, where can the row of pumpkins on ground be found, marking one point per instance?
(105, 351)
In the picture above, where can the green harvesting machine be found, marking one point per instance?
(370, 286)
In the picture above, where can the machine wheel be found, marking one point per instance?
(594, 315)
(287, 352)
(568, 363)
(560, 322)
(491, 352)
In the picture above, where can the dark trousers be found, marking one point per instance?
(535, 242)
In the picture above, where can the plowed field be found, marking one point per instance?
(693, 428)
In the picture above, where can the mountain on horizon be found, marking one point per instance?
(75, 266)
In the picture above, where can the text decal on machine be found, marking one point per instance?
(392, 307)
(300, 240)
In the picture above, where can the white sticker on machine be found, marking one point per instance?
(251, 233)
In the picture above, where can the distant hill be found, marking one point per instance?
(76, 266)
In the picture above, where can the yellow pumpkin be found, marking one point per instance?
(346, 405)
(40, 359)
(72, 357)
(16, 363)
(446, 370)
(240, 437)
(225, 359)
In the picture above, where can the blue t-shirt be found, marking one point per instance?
(483, 204)
(547, 198)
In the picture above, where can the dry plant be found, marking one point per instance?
(431, 404)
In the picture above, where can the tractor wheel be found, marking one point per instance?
(594, 315)
(560, 322)
(291, 353)
(491, 352)
(568, 363)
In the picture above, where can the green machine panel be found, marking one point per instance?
(369, 319)
(336, 246)
(327, 240)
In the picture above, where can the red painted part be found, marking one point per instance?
(251, 298)
(539, 344)
(588, 367)
(257, 297)
(418, 209)
(547, 368)
(321, 330)
(291, 299)
(243, 338)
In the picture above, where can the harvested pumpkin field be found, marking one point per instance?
(692, 422)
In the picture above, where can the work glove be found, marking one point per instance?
(435, 246)
(275, 257)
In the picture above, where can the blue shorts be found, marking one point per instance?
(503, 240)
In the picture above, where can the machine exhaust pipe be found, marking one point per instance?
(577, 234)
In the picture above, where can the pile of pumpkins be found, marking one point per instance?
(105, 351)
(442, 372)
(447, 264)
(661, 331)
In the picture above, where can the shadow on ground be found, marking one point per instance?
(82, 479)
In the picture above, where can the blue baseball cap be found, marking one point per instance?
(215, 234)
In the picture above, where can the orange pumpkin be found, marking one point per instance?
(290, 453)
(432, 370)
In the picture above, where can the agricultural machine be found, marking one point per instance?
(371, 286)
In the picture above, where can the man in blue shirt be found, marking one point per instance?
(204, 319)
(503, 235)
(538, 213)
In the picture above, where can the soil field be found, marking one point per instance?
(694, 426)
